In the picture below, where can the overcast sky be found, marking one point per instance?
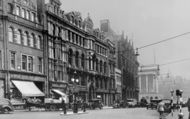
(145, 22)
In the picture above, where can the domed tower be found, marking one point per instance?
(88, 24)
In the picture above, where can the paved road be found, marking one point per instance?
(127, 113)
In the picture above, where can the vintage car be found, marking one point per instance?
(5, 105)
(153, 104)
(131, 102)
(95, 103)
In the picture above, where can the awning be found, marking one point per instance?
(59, 92)
(28, 89)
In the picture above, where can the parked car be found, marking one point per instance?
(95, 103)
(5, 105)
(153, 104)
(131, 102)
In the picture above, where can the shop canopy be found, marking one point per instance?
(28, 89)
(59, 92)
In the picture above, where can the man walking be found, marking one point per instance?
(188, 106)
(64, 106)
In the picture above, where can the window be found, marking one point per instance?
(25, 39)
(30, 63)
(10, 8)
(24, 62)
(82, 60)
(51, 49)
(32, 40)
(32, 16)
(13, 60)
(27, 14)
(0, 60)
(77, 59)
(63, 53)
(11, 34)
(40, 64)
(18, 10)
(19, 37)
(23, 13)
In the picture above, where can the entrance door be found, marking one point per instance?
(2, 88)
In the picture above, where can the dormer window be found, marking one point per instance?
(72, 19)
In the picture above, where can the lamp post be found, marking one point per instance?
(74, 81)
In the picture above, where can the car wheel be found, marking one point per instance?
(6, 110)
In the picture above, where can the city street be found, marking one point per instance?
(127, 113)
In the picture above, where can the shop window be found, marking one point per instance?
(30, 63)
(24, 62)
(13, 60)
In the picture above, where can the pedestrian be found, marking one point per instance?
(64, 106)
(84, 105)
(188, 106)
(161, 109)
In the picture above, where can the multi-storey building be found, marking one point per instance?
(126, 61)
(21, 50)
(75, 50)
(42, 49)
(148, 82)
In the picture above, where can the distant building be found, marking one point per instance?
(126, 60)
(148, 82)
(118, 84)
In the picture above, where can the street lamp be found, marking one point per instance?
(75, 82)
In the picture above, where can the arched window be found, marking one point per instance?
(23, 12)
(70, 57)
(18, 10)
(27, 14)
(77, 59)
(32, 16)
(25, 40)
(10, 8)
(11, 34)
(32, 40)
(39, 42)
(19, 36)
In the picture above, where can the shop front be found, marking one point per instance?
(59, 90)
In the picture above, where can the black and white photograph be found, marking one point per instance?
(94, 59)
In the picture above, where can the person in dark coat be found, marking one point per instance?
(64, 106)
(84, 105)
(188, 106)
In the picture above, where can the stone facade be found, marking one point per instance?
(21, 46)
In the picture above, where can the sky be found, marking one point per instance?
(146, 22)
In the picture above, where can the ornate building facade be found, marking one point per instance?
(76, 50)
(21, 50)
(47, 49)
